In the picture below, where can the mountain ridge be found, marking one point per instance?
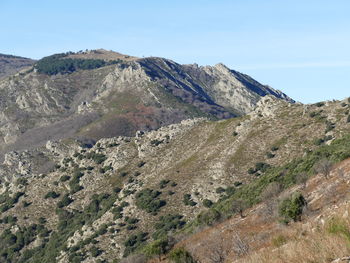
(117, 99)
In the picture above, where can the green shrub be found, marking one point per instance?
(22, 181)
(65, 178)
(209, 217)
(274, 148)
(291, 208)
(140, 164)
(123, 174)
(207, 203)
(167, 223)
(319, 104)
(180, 255)
(163, 183)
(74, 182)
(51, 194)
(134, 242)
(188, 200)
(220, 190)
(148, 200)
(348, 119)
(156, 248)
(237, 183)
(66, 200)
(270, 155)
(98, 158)
(9, 202)
(156, 142)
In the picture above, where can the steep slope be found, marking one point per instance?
(79, 204)
(11, 64)
(97, 94)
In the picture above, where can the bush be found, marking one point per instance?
(168, 223)
(270, 155)
(140, 164)
(207, 203)
(9, 202)
(291, 208)
(98, 158)
(65, 178)
(348, 119)
(180, 255)
(188, 200)
(74, 183)
(156, 248)
(66, 200)
(148, 200)
(51, 194)
(209, 217)
(163, 183)
(219, 190)
(274, 148)
(133, 242)
(319, 104)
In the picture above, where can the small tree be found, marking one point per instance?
(324, 167)
(291, 208)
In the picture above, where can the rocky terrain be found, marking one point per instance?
(81, 203)
(121, 159)
(125, 95)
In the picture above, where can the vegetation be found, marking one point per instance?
(65, 201)
(134, 242)
(74, 182)
(291, 208)
(51, 194)
(207, 203)
(168, 223)
(8, 202)
(59, 63)
(156, 248)
(286, 175)
(338, 226)
(180, 255)
(188, 200)
(149, 201)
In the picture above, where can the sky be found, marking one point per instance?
(299, 47)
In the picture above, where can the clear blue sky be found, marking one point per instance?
(299, 47)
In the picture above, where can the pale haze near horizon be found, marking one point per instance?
(299, 47)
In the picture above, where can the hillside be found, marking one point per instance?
(100, 94)
(11, 64)
(90, 203)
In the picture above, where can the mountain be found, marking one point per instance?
(230, 190)
(96, 94)
(11, 64)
